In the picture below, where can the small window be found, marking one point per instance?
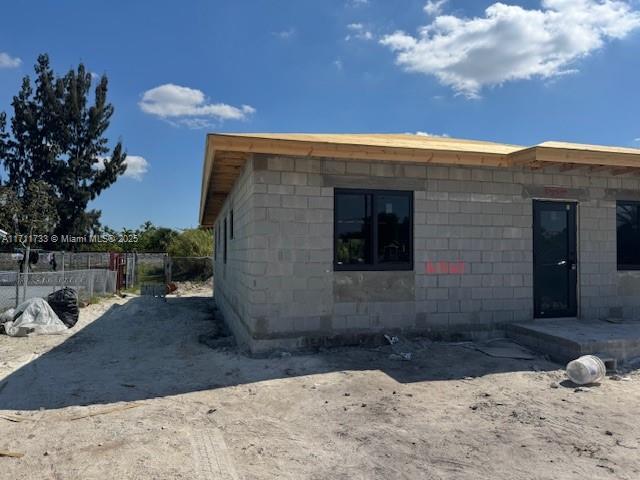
(231, 224)
(224, 256)
(373, 230)
(628, 235)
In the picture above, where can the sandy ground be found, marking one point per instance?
(351, 413)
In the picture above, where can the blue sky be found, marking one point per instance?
(521, 73)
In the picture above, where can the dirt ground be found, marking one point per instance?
(141, 389)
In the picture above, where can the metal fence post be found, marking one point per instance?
(17, 288)
(25, 267)
(167, 268)
(133, 270)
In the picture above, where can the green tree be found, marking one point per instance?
(58, 136)
(155, 239)
(147, 238)
(37, 212)
(192, 243)
(4, 136)
(31, 214)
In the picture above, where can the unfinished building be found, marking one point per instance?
(325, 239)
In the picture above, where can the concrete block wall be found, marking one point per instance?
(231, 280)
(472, 250)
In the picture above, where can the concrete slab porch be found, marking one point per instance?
(566, 339)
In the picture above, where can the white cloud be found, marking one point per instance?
(359, 32)
(357, 3)
(426, 134)
(434, 7)
(7, 61)
(137, 166)
(338, 64)
(285, 34)
(189, 106)
(511, 42)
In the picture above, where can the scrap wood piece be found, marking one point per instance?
(107, 410)
(13, 418)
(4, 453)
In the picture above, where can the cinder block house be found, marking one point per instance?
(331, 238)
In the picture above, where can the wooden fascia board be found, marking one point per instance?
(539, 156)
(357, 152)
(587, 157)
(207, 168)
(522, 157)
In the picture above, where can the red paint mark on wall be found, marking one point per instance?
(444, 268)
(556, 192)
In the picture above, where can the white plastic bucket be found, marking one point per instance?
(586, 369)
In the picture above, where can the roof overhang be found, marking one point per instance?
(568, 158)
(226, 154)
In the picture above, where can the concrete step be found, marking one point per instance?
(564, 340)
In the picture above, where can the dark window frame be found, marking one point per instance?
(224, 239)
(622, 267)
(215, 241)
(374, 266)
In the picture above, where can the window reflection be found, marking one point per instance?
(394, 228)
(628, 235)
(352, 229)
(373, 230)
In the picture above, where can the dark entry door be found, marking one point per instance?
(554, 259)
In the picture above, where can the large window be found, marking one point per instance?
(628, 235)
(373, 230)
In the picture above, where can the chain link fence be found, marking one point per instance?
(150, 268)
(17, 287)
(93, 274)
(163, 269)
(56, 260)
(190, 269)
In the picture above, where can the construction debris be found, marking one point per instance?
(4, 453)
(65, 303)
(34, 316)
(107, 410)
(392, 340)
(404, 356)
(500, 348)
(401, 348)
(13, 418)
(586, 370)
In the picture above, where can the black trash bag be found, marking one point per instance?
(65, 303)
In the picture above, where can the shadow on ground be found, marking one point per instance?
(147, 348)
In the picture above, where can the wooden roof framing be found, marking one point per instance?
(225, 155)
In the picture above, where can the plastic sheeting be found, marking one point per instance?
(34, 316)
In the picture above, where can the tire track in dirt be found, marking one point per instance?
(211, 456)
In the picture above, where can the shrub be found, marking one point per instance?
(192, 243)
